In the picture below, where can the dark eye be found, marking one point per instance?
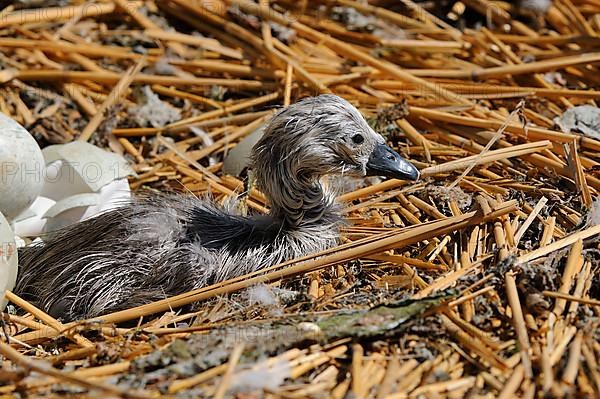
(358, 139)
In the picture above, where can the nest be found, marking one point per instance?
(481, 280)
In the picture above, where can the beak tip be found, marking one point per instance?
(416, 176)
(412, 175)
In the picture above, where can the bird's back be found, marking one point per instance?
(154, 247)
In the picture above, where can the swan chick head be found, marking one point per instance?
(326, 135)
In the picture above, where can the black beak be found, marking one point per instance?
(386, 162)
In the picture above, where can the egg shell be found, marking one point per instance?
(83, 166)
(31, 222)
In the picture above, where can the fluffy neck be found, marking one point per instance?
(296, 200)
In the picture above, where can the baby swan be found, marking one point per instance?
(160, 246)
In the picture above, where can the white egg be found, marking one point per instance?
(8, 260)
(21, 167)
